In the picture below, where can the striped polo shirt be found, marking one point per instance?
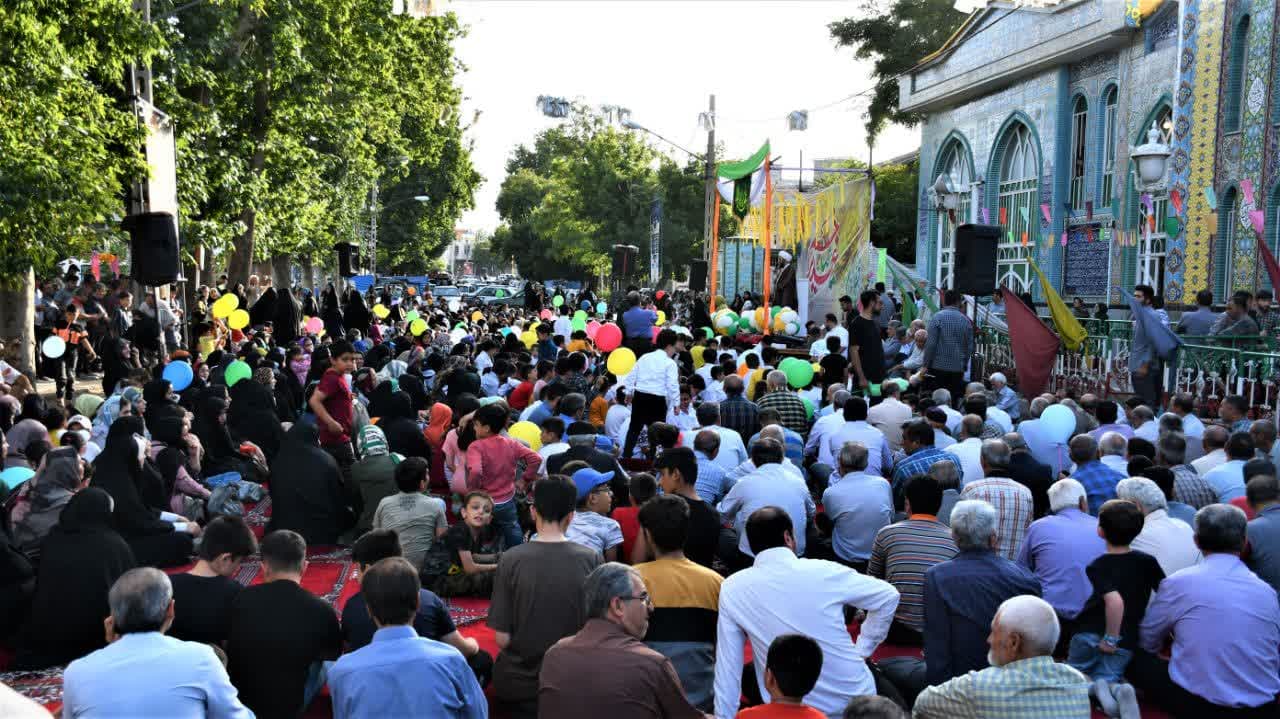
(902, 553)
(686, 600)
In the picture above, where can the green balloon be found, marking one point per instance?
(799, 373)
(775, 312)
(602, 307)
(580, 315)
(744, 324)
(710, 333)
(557, 300)
(411, 316)
(808, 407)
(578, 323)
(237, 371)
(500, 294)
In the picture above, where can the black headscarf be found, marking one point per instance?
(80, 560)
(135, 486)
(404, 436)
(166, 428)
(331, 313)
(220, 453)
(288, 316)
(306, 489)
(156, 393)
(253, 416)
(411, 384)
(357, 315)
(114, 364)
(264, 310)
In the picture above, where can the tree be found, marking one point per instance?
(896, 35)
(894, 226)
(64, 130)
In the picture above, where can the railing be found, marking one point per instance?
(1208, 368)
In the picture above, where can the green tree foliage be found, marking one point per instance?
(895, 35)
(62, 122)
(897, 187)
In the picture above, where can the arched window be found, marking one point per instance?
(1233, 107)
(1079, 124)
(955, 166)
(1223, 244)
(1019, 210)
(1164, 123)
(1108, 145)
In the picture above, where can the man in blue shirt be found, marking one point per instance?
(547, 349)
(637, 325)
(917, 441)
(1098, 479)
(401, 673)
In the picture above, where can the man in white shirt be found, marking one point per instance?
(616, 419)
(1112, 448)
(827, 424)
(654, 385)
(1184, 405)
(890, 414)
(859, 505)
(732, 451)
(759, 604)
(942, 398)
(969, 448)
(1171, 541)
(563, 326)
(552, 441)
(1144, 422)
(769, 485)
(857, 429)
(774, 432)
(915, 361)
(141, 672)
(1215, 449)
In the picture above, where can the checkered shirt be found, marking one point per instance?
(787, 404)
(919, 463)
(1190, 488)
(1035, 688)
(1014, 511)
(1099, 482)
(950, 343)
(740, 415)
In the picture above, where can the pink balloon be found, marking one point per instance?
(608, 337)
(314, 325)
(592, 328)
(546, 314)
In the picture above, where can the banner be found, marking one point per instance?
(830, 228)
(655, 241)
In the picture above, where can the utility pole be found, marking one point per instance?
(710, 199)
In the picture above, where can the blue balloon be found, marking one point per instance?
(179, 374)
(14, 476)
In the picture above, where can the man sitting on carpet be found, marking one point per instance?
(432, 619)
(537, 596)
(142, 672)
(281, 633)
(400, 673)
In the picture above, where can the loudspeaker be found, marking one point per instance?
(975, 272)
(698, 276)
(347, 258)
(153, 248)
(624, 260)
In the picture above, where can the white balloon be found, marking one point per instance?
(1059, 421)
(53, 347)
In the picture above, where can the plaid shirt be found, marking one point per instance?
(1014, 510)
(950, 343)
(919, 463)
(787, 404)
(1099, 482)
(1269, 321)
(1035, 688)
(740, 415)
(1190, 488)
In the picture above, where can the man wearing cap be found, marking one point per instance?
(591, 526)
(582, 448)
(784, 285)
(1006, 398)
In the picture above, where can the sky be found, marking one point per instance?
(662, 59)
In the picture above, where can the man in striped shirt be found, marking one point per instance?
(903, 551)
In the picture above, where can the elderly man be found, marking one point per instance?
(732, 451)
(857, 429)
(1006, 398)
(1099, 480)
(827, 424)
(915, 360)
(969, 449)
(769, 485)
(1188, 486)
(1225, 625)
(859, 505)
(890, 414)
(787, 403)
(1215, 449)
(1023, 679)
(1060, 547)
(1144, 423)
(1113, 451)
(937, 419)
(141, 672)
(1263, 434)
(1227, 479)
(917, 441)
(942, 398)
(737, 413)
(758, 604)
(1108, 414)
(1011, 500)
(1183, 405)
(774, 432)
(1167, 539)
(628, 678)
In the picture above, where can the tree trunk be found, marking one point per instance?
(17, 322)
(282, 271)
(242, 253)
(308, 272)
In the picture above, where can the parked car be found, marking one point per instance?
(509, 297)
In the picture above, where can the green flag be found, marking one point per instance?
(741, 183)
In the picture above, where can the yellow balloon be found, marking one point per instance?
(529, 338)
(477, 316)
(528, 433)
(662, 318)
(621, 361)
(225, 305)
(762, 317)
(238, 319)
(418, 326)
(380, 311)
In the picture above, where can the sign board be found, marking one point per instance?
(1087, 261)
(739, 267)
(655, 242)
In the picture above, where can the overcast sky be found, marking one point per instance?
(662, 58)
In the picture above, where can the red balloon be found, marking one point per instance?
(609, 337)
(660, 294)
(655, 333)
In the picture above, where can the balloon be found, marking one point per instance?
(609, 337)
(1060, 423)
(784, 318)
(662, 317)
(179, 374)
(545, 314)
(314, 325)
(808, 407)
(527, 432)
(380, 311)
(816, 367)
(53, 347)
(902, 383)
(592, 328)
(655, 333)
(761, 318)
(477, 316)
(506, 331)
(237, 371)
(417, 327)
(602, 308)
(586, 305)
(529, 338)
(710, 334)
(557, 300)
(578, 324)
(874, 389)
(500, 294)
(411, 291)
(225, 305)
(580, 315)
(621, 361)
(411, 316)
(460, 326)
(238, 320)
(775, 311)
(14, 476)
(457, 334)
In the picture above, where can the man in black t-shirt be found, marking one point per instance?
(281, 634)
(203, 597)
(678, 473)
(866, 350)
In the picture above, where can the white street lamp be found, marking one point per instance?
(1152, 158)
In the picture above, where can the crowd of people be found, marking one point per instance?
(641, 500)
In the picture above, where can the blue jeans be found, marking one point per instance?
(1085, 656)
(507, 520)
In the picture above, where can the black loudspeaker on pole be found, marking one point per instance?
(346, 258)
(975, 272)
(698, 276)
(153, 239)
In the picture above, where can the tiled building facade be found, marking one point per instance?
(1031, 114)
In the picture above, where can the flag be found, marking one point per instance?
(1164, 343)
(1259, 221)
(95, 266)
(1171, 227)
(1004, 215)
(1044, 211)
(1246, 188)
(1072, 333)
(742, 184)
(882, 263)
(1175, 199)
(1034, 345)
(1269, 262)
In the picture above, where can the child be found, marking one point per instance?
(464, 561)
(591, 526)
(552, 441)
(332, 404)
(492, 460)
(682, 415)
(791, 671)
(1123, 580)
(642, 487)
